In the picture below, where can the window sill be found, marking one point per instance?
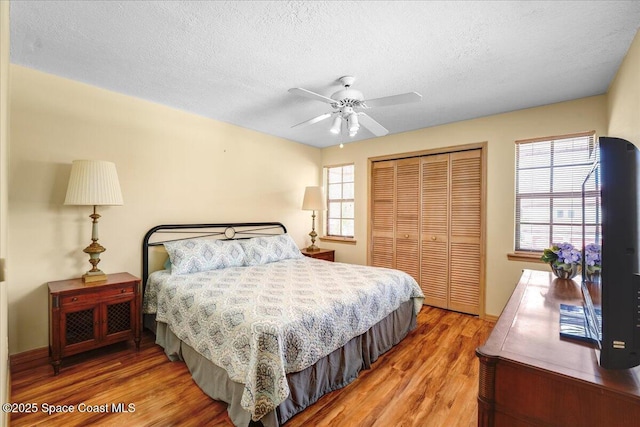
(337, 239)
(525, 256)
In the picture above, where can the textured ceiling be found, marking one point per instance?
(234, 61)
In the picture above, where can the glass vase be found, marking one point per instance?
(592, 276)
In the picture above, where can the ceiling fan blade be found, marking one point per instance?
(308, 94)
(403, 98)
(314, 120)
(374, 127)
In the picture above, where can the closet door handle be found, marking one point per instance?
(433, 237)
(406, 236)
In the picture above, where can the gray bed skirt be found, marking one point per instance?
(330, 373)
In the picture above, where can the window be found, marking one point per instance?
(549, 177)
(340, 206)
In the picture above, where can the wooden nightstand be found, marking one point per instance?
(325, 254)
(84, 316)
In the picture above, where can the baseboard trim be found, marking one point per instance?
(29, 359)
(491, 318)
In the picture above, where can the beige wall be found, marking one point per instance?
(178, 167)
(4, 173)
(500, 132)
(624, 97)
(174, 167)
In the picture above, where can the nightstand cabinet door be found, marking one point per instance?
(118, 317)
(80, 328)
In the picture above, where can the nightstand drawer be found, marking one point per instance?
(79, 298)
(120, 290)
(93, 296)
(323, 254)
(327, 256)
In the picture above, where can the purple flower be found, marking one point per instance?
(566, 255)
(592, 257)
(564, 246)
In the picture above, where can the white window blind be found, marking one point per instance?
(340, 201)
(549, 176)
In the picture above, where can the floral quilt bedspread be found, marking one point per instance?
(261, 322)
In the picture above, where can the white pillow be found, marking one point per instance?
(263, 250)
(194, 255)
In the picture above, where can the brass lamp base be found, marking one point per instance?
(313, 234)
(94, 250)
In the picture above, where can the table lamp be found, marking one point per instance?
(93, 183)
(313, 201)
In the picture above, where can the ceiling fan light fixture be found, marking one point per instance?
(346, 104)
(353, 123)
(337, 125)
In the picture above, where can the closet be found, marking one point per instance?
(427, 219)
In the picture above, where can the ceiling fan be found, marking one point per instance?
(346, 104)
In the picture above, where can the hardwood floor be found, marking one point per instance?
(429, 379)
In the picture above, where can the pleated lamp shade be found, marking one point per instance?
(314, 199)
(93, 182)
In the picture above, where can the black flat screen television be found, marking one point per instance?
(610, 211)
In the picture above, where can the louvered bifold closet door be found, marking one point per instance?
(434, 238)
(382, 214)
(465, 231)
(407, 230)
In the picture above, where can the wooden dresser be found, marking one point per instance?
(530, 376)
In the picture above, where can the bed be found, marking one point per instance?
(262, 327)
